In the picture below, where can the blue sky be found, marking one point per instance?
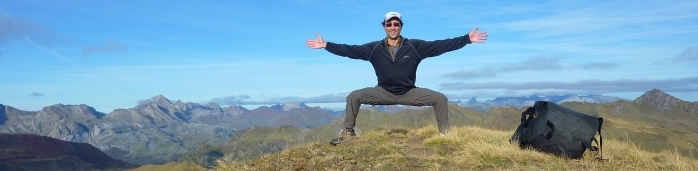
(111, 54)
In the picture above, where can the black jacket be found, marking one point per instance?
(397, 76)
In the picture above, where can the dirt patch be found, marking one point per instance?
(415, 141)
(402, 131)
(421, 152)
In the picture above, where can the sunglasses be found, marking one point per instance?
(392, 24)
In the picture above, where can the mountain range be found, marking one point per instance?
(156, 130)
(655, 121)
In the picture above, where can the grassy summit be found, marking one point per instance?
(464, 148)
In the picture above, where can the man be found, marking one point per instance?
(395, 60)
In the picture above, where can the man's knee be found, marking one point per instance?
(354, 95)
(440, 97)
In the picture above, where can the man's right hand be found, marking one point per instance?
(317, 43)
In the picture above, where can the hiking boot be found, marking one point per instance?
(443, 129)
(345, 134)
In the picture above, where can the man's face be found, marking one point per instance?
(392, 28)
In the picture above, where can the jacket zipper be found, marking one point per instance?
(398, 49)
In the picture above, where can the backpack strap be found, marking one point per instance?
(552, 130)
(590, 147)
(526, 119)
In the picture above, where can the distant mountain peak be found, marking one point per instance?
(212, 105)
(656, 91)
(472, 100)
(159, 100)
(293, 105)
(178, 102)
(81, 111)
(659, 99)
(234, 110)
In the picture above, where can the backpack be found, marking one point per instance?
(554, 129)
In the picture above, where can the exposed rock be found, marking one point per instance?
(624, 108)
(293, 105)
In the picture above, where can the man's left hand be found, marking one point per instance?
(477, 37)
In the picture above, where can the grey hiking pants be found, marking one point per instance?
(415, 97)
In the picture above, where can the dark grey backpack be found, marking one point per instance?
(551, 128)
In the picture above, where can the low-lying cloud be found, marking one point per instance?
(688, 84)
(247, 100)
(243, 96)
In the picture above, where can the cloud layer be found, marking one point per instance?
(688, 84)
(688, 57)
(12, 29)
(598, 65)
(247, 100)
(540, 63)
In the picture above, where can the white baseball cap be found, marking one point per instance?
(390, 15)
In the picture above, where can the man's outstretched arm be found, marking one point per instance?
(438, 47)
(352, 51)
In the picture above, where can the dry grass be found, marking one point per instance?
(171, 166)
(464, 148)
